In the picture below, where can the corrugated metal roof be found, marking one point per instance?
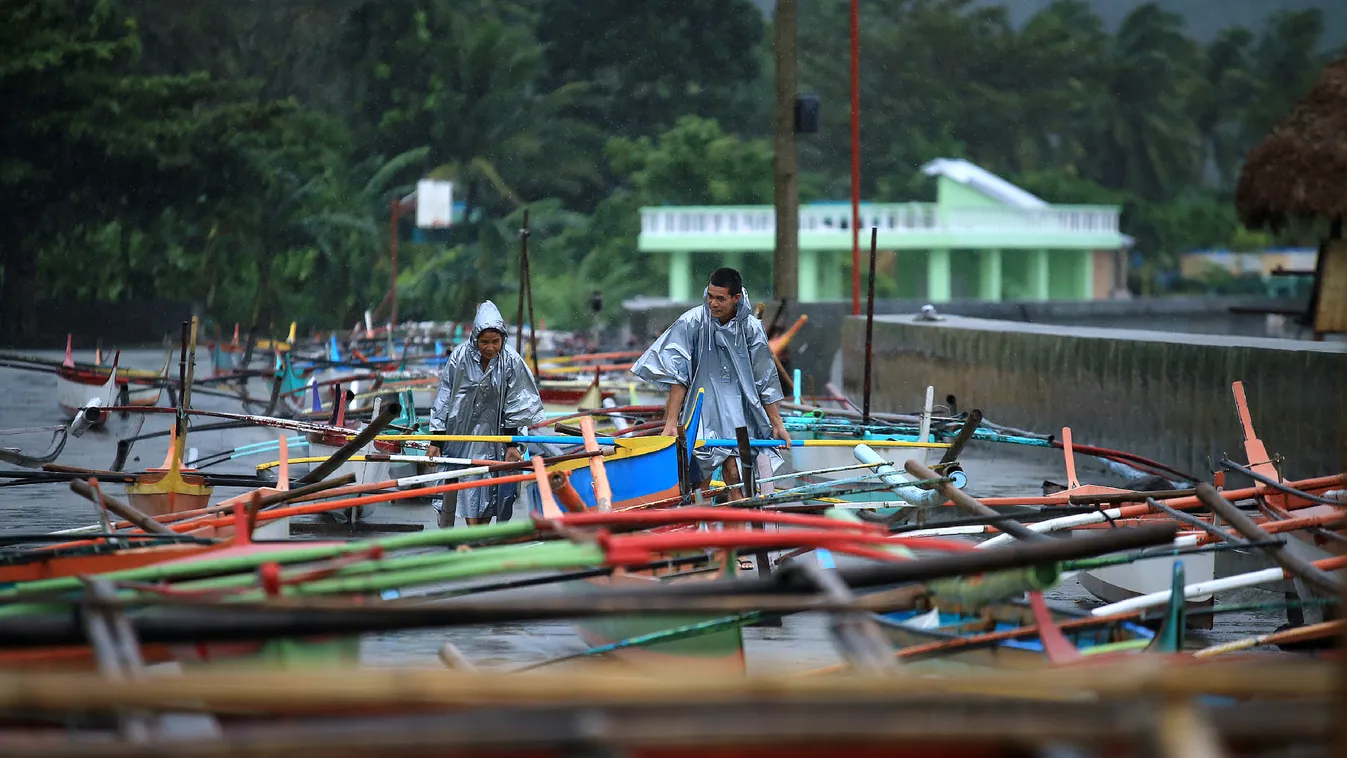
(984, 181)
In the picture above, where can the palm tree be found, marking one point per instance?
(1228, 87)
(1061, 53)
(1287, 61)
(1138, 135)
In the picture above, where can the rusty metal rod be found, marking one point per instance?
(125, 510)
(971, 505)
(376, 425)
(1309, 573)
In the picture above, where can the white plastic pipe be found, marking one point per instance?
(1057, 524)
(897, 480)
(86, 417)
(619, 421)
(1156, 599)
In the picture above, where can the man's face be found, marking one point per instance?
(722, 303)
(489, 343)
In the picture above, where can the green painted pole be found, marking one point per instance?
(207, 566)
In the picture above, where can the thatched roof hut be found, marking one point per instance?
(1300, 169)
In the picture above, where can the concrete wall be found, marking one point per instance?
(815, 349)
(1164, 395)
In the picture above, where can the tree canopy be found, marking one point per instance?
(243, 154)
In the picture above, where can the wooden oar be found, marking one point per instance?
(387, 414)
(1303, 569)
(1319, 631)
(969, 504)
(125, 510)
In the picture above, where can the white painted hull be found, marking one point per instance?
(276, 529)
(1113, 584)
(1300, 544)
(1145, 577)
(365, 472)
(72, 396)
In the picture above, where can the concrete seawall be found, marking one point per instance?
(1164, 395)
(813, 350)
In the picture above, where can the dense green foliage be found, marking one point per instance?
(244, 153)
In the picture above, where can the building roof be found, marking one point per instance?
(1300, 169)
(984, 181)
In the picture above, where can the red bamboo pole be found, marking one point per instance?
(355, 502)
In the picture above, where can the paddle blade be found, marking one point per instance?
(966, 433)
(1170, 637)
(1055, 644)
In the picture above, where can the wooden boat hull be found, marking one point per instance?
(1113, 584)
(643, 470)
(75, 389)
(365, 472)
(1308, 547)
(714, 653)
(88, 563)
(567, 396)
(1021, 654)
(281, 653)
(159, 492)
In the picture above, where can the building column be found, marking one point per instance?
(1086, 272)
(1038, 275)
(680, 273)
(938, 276)
(809, 276)
(830, 276)
(989, 275)
(735, 261)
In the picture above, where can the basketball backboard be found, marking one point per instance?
(434, 203)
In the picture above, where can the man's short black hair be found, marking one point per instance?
(729, 279)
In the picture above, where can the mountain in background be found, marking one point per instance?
(1204, 18)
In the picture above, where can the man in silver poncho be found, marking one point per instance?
(718, 347)
(486, 388)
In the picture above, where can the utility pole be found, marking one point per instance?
(855, 158)
(786, 173)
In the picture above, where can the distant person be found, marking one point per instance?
(486, 388)
(718, 347)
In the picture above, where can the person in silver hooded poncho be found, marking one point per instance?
(720, 348)
(486, 388)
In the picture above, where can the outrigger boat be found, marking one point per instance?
(1277, 499)
(912, 630)
(79, 386)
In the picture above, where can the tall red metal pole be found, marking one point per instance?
(855, 158)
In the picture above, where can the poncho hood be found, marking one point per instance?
(488, 317)
(743, 311)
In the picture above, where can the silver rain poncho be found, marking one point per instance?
(732, 363)
(477, 402)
